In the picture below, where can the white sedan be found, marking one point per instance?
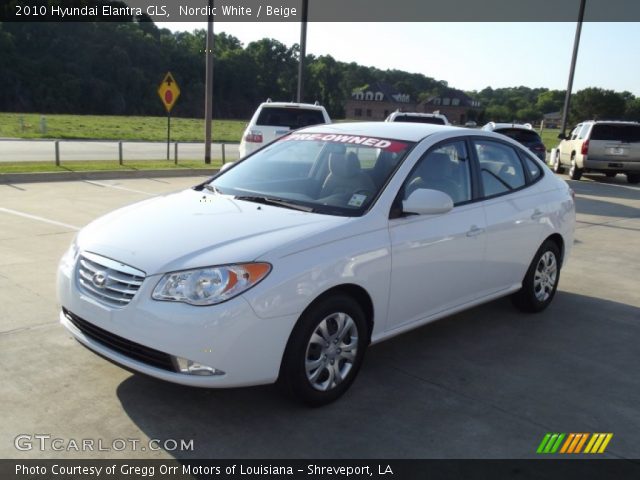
(288, 264)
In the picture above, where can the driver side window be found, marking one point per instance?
(446, 168)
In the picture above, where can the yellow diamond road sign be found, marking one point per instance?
(168, 91)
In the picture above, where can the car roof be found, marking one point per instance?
(310, 106)
(612, 122)
(495, 126)
(418, 114)
(410, 132)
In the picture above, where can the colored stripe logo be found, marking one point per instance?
(574, 443)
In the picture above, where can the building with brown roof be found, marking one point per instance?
(376, 102)
(455, 104)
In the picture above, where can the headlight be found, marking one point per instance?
(208, 286)
(69, 258)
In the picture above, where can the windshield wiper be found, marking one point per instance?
(274, 201)
(212, 188)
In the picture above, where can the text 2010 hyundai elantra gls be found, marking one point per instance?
(288, 264)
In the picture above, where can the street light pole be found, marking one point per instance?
(576, 43)
(208, 94)
(303, 47)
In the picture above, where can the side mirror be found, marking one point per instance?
(225, 166)
(424, 201)
(562, 136)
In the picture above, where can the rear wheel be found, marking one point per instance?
(633, 178)
(325, 351)
(541, 281)
(574, 172)
(556, 165)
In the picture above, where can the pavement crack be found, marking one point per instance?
(26, 329)
(607, 224)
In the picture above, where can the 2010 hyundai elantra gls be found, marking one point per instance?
(288, 264)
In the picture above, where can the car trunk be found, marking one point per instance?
(275, 122)
(615, 143)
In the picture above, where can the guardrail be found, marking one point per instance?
(58, 151)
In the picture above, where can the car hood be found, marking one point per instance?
(191, 229)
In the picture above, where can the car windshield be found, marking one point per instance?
(520, 135)
(419, 119)
(320, 172)
(292, 117)
(623, 133)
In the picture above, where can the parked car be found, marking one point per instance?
(274, 119)
(471, 124)
(288, 264)
(415, 117)
(608, 147)
(521, 133)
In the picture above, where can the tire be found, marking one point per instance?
(633, 178)
(556, 165)
(610, 174)
(330, 338)
(541, 280)
(575, 173)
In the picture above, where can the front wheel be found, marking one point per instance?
(541, 280)
(325, 351)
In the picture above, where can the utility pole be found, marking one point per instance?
(208, 94)
(303, 47)
(574, 57)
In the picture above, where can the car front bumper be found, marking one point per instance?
(243, 348)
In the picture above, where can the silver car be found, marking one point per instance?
(610, 147)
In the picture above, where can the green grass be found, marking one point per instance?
(95, 127)
(93, 166)
(550, 137)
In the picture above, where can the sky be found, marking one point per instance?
(469, 56)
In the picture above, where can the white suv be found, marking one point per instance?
(605, 146)
(274, 119)
(415, 117)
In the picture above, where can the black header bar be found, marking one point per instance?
(320, 10)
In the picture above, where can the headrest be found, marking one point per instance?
(344, 166)
(437, 165)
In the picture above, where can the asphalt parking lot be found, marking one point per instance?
(487, 383)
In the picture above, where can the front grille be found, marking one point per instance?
(106, 280)
(150, 356)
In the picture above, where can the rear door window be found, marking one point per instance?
(574, 132)
(293, 118)
(500, 168)
(583, 131)
(533, 168)
(621, 133)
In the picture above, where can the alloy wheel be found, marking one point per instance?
(331, 351)
(545, 277)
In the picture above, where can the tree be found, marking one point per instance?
(550, 101)
(632, 111)
(596, 103)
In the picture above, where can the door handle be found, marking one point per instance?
(474, 230)
(537, 214)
